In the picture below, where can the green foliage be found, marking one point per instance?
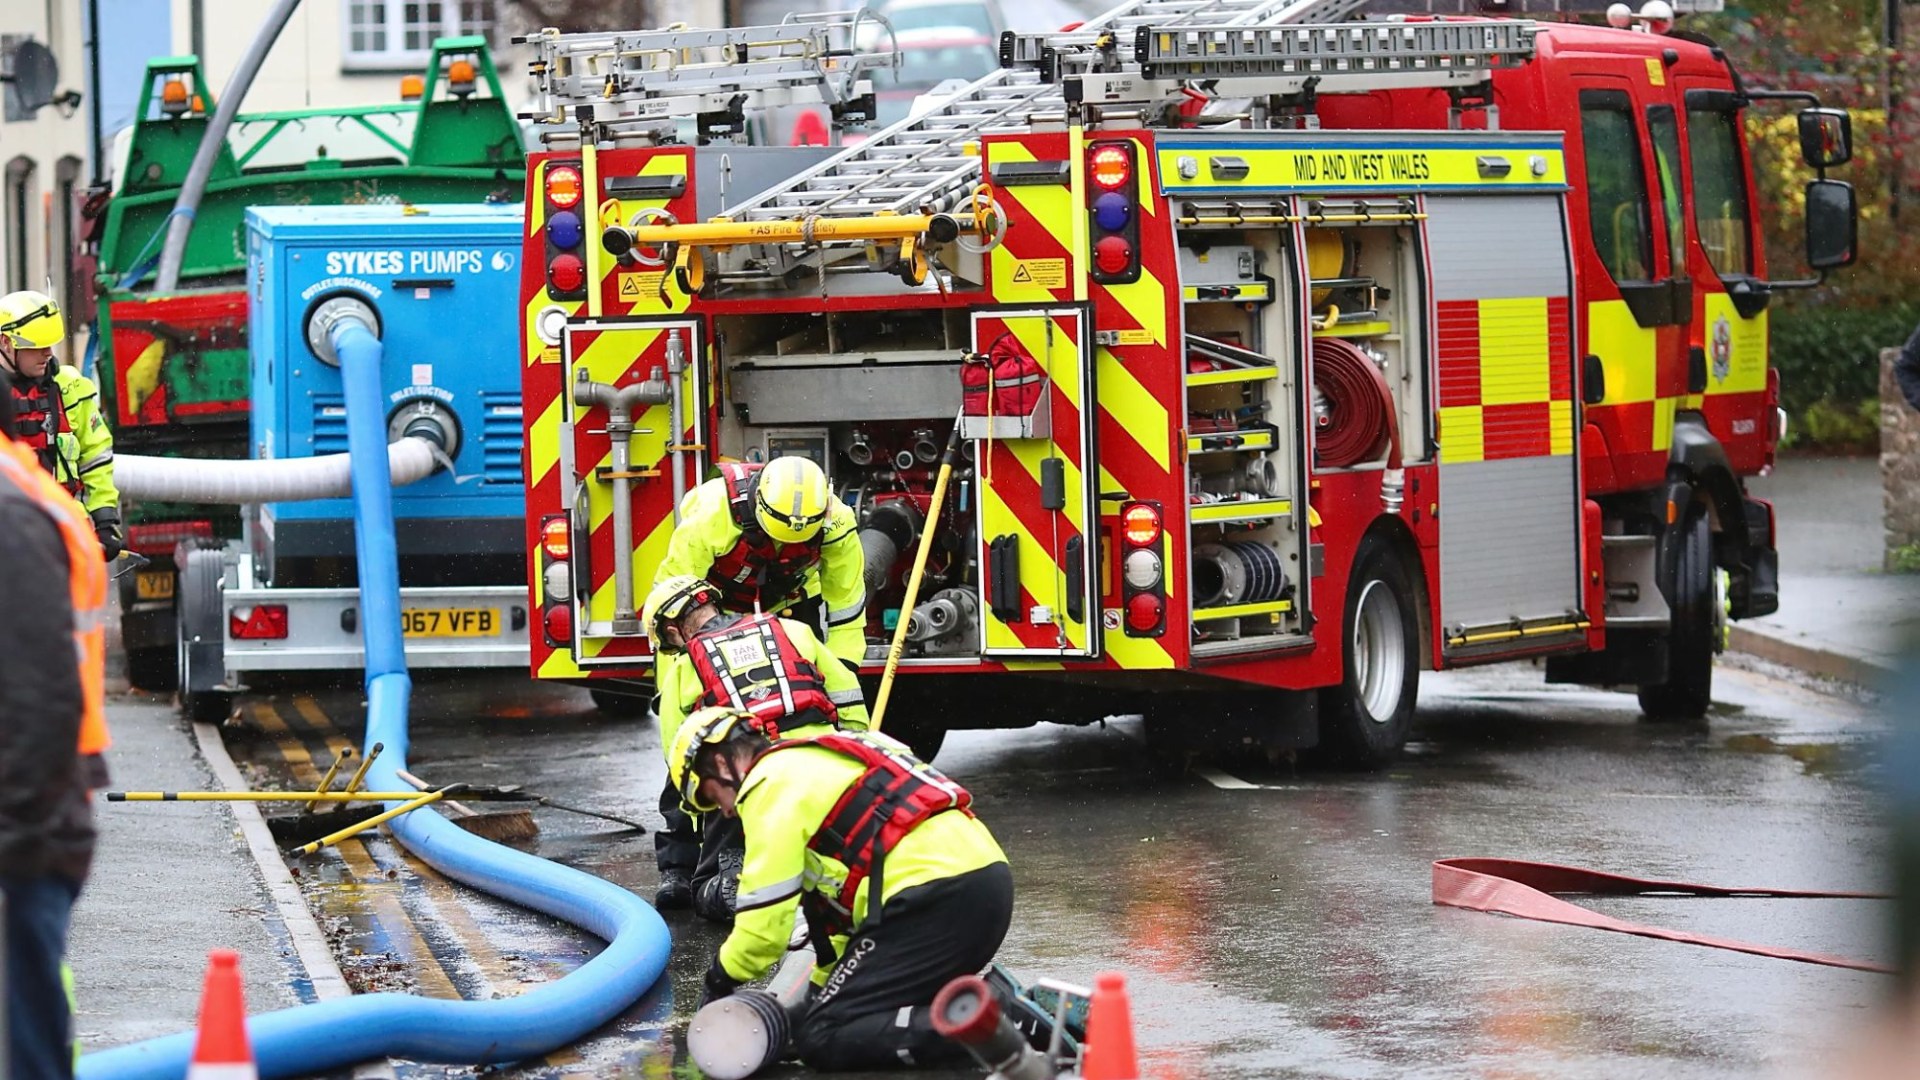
(1850, 427)
(1904, 559)
(1831, 352)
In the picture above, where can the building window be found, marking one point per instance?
(385, 35)
(66, 246)
(20, 196)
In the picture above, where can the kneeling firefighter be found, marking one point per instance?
(903, 888)
(772, 667)
(57, 412)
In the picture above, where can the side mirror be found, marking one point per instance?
(1833, 224)
(1826, 137)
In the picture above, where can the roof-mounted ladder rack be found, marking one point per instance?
(637, 83)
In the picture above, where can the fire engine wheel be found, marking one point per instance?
(202, 638)
(1694, 630)
(1365, 720)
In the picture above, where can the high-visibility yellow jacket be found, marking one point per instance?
(783, 801)
(680, 687)
(707, 530)
(85, 453)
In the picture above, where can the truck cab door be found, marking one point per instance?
(1037, 483)
(1637, 299)
(1729, 333)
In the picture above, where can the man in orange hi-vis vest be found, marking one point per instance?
(53, 732)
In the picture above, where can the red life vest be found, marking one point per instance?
(890, 800)
(38, 418)
(752, 664)
(757, 570)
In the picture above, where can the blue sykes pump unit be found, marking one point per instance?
(438, 287)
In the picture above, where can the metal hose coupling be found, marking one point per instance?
(1393, 486)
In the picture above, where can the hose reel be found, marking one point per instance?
(1236, 572)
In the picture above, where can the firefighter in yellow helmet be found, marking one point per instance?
(773, 538)
(772, 667)
(895, 911)
(57, 412)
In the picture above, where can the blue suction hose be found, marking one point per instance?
(335, 1034)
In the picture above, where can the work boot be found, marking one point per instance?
(714, 899)
(675, 891)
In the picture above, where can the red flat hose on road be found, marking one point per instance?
(1521, 889)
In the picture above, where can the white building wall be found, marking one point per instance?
(43, 157)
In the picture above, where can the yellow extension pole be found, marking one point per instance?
(913, 580)
(360, 774)
(377, 819)
(326, 782)
(724, 233)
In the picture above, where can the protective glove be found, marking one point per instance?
(106, 526)
(717, 984)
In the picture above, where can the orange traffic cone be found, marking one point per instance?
(1109, 1053)
(222, 1051)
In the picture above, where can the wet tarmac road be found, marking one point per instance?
(1271, 923)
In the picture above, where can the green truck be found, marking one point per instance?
(173, 367)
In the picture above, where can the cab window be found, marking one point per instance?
(1719, 190)
(1617, 212)
(1665, 131)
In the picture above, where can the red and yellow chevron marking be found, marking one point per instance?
(544, 383)
(1010, 486)
(1506, 379)
(1137, 389)
(642, 289)
(620, 355)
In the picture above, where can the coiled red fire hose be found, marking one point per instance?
(1361, 419)
(1520, 889)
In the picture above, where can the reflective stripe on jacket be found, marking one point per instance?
(86, 582)
(785, 800)
(681, 689)
(709, 543)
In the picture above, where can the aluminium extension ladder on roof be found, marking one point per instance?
(636, 82)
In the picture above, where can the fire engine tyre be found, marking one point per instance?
(923, 735)
(1366, 719)
(202, 638)
(1694, 629)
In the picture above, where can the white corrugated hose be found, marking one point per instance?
(203, 480)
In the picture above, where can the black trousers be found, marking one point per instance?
(874, 1012)
(707, 848)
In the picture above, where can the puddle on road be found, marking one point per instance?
(1815, 758)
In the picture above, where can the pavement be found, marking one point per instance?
(172, 881)
(1841, 617)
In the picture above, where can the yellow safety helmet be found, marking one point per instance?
(791, 500)
(31, 320)
(671, 599)
(710, 726)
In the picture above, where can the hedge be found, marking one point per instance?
(1830, 352)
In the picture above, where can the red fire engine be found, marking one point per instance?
(1290, 358)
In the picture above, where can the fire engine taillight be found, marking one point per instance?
(558, 623)
(563, 186)
(565, 233)
(262, 622)
(565, 274)
(1111, 165)
(1114, 214)
(564, 230)
(1143, 569)
(1142, 524)
(556, 579)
